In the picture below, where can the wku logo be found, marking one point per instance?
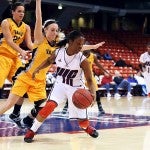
(67, 75)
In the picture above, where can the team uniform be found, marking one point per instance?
(24, 82)
(69, 78)
(145, 58)
(100, 108)
(91, 61)
(101, 111)
(9, 59)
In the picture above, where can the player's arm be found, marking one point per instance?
(99, 65)
(142, 67)
(44, 64)
(142, 63)
(38, 34)
(28, 40)
(9, 39)
(88, 76)
(89, 47)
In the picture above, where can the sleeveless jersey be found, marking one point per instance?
(145, 58)
(68, 68)
(18, 33)
(91, 60)
(40, 53)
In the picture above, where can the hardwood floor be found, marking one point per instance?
(125, 126)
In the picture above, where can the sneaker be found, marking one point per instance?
(129, 95)
(101, 113)
(117, 95)
(91, 131)
(16, 119)
(108, 95)
(29, 136)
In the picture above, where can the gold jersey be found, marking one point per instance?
(40, 53)
(91, 61)
(18, 34)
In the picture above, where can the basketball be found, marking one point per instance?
(82, 98)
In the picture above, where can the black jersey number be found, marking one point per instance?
(67, 75)
(16, 38)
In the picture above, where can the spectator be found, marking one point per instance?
(141, 81)
(120, 63)
(107, 82)
(107, 56)
(145, 67)
(132, 80)
(122, 83)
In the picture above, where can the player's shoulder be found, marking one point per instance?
(144, 54)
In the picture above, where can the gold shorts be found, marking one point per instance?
(36, 90)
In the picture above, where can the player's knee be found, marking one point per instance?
(83, 123)
(47, 109)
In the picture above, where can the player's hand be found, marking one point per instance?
(29, 55)
(23, 54)
(99, 44)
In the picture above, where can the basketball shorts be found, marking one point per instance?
(8, 67)
(36, 90)
(62, 92)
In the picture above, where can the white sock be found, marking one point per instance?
(36, 125)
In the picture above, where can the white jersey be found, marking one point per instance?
(68, 68)
(145, 58)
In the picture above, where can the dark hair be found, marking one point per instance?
(15, 5)
(71, 36)
(48, 22)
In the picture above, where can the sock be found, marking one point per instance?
(16, 110)
(36, 125)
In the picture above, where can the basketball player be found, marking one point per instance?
(92, 59)
(145, 63)
(44, 40)
(15, 31)
(71, 64)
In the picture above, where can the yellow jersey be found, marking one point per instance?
(40, 53)
(91, 61)
(18, 34)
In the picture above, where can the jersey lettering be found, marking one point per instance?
(67, 75)
(17, 36)
(48, 51)
(148, 66)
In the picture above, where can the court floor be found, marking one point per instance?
(125, 126)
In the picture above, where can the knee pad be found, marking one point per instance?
(47, 109)
(83, 123)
